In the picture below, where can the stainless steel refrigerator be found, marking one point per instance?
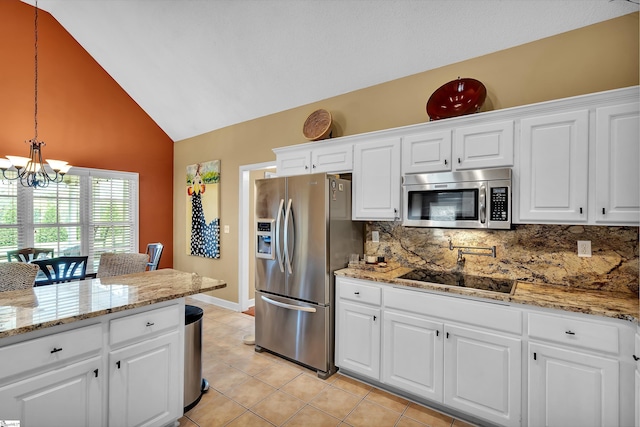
(304, 233)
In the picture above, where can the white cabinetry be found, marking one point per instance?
(358, 334)
(471, 147)
(575, 373)
(413, 356)
(376, 180)
(315, 157)
(554, 168)
(636, 357)
(144, 373)
(482, 374)
(483, 146)
(68, 378)
(617, 171)
(54, 380)
(70, 396)
(426, 152)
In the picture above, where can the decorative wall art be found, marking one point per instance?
(203, 209)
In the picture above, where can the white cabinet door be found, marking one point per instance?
(426, 152)
(483, 146)
(482, 374)
(335, 158)
(376, 180)
(144, 383)
(358, 336)
(570, 388)
(413, 354)
(553, 168)
(636, 356)
(617, 171)
(293, 163)
(69, 396)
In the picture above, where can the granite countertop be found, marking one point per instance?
(599, 303)
(45, 306)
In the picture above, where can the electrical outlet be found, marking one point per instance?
(584, 248)
(226, 229)
(375, 236)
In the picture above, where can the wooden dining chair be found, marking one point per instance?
(29, 254)
(17, 275)
(62, 269)
(113, 264)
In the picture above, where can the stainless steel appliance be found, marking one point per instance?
(304, 233)
(465, 199)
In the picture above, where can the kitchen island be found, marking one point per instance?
(97, 352)
(527, 357)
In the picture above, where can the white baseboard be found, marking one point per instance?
(217, 301)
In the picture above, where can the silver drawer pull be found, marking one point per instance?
(570, 333)
(150, 323)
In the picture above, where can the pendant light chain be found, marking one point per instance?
(35, 114)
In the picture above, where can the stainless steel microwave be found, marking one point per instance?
(465, 199)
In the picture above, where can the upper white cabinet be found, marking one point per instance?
(483, 146)
(376, 180)
(477, 146)
(617, 159)
(314, 157)
(553, 168)
(426, 152)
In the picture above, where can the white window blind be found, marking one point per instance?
(90, 212)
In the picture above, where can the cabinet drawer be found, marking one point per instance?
(574, 332)
(144, 325)
(41, 352)
(359, 292)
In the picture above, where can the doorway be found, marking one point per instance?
(248, 174)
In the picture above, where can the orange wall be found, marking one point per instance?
(84, 116)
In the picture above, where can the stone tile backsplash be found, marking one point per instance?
(533, 253)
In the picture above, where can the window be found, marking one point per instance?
(90, 212)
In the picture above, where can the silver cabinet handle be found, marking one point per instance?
(289, 306)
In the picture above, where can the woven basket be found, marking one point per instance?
(318, 125)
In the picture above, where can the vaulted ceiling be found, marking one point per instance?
(199, 65)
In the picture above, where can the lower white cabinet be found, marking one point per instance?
(144, 385)
(70, 396)
(572, 388)
(482, 374)
(508, 365)
(359, 338)
(413, 354)
(68, 377)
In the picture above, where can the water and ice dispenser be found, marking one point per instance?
(265, 238)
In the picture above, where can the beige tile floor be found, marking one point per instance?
(260, 389)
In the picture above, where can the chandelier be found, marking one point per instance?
(32, 171)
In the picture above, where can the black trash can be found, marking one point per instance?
(194, 384)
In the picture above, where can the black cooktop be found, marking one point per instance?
(461, 280)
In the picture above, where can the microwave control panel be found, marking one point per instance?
(499, 204)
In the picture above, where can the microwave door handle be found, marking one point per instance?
(483, 204)
(278, 243)
(288, 217)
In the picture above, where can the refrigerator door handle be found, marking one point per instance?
(278, 245)
(289, 306)
(288, 256)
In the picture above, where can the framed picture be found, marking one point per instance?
(203, 209)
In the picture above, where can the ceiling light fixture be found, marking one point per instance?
(32, 171)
